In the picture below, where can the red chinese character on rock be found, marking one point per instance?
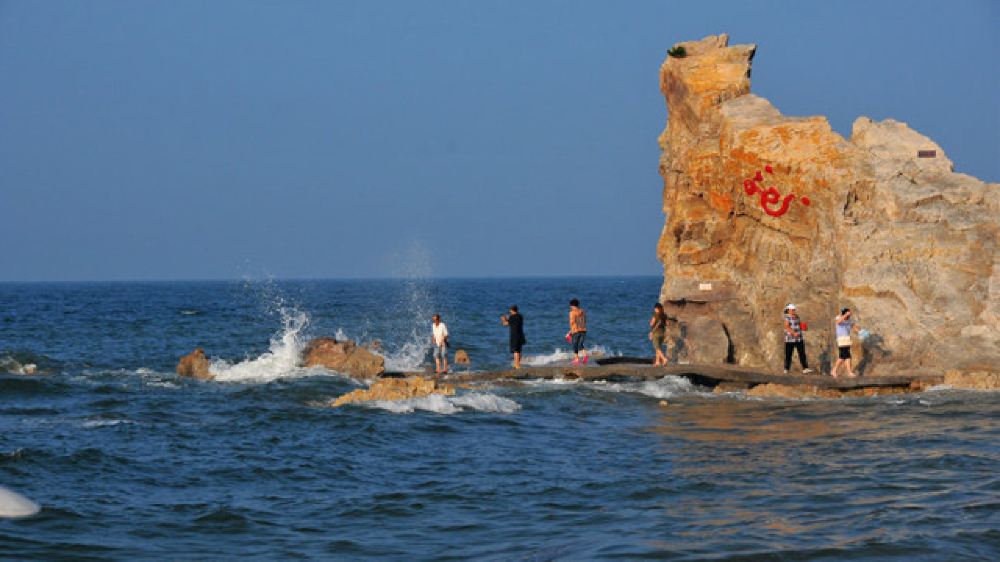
(770, 199)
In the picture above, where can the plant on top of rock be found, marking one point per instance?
(677, 51)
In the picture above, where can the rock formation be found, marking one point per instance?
(764, 209)
(194, 364)
(395, 389)
(342, 356)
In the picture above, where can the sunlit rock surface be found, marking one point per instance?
(395, 389)
(344, 357)
(763, 209)
(194, 364)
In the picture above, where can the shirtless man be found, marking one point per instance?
(577, 331)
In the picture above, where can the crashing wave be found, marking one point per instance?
(281, 360)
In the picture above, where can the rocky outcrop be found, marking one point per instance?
(395, 389)
(344, 357)
(764, 209)
(194, 364)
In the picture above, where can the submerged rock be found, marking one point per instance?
(764, 209)
(775, 390)
(461, 357)
(344, 357)
(395, 389)
(194, 364)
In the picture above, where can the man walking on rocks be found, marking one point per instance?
(794, 340)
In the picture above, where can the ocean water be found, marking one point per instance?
(128, 461)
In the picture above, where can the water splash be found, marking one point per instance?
(560, 355)
(409, 338)
(280, 360)
(667, 387)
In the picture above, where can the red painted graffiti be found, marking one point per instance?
(770, 199)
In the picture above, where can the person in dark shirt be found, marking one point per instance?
(516, 324)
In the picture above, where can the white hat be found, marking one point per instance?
(789, 306)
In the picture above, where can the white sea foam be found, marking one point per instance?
(13, 504)
(163, 384)
(105, 423)
(9, 365)
(448, 404)
(667, 387)
(560, 355)
(281, 360)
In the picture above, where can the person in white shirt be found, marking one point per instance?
(439, 339)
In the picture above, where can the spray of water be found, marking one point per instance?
(280, 360)
(410, 334)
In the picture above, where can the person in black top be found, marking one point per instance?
(516, 324)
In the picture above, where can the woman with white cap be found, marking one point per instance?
(794, 340)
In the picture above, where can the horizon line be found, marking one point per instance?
(304, 279)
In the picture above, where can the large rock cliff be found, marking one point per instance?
(764, 209)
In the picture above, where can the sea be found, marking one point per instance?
(128, 461)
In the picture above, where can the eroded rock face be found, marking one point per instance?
(764, 209)
(395, 389)
(344, 357)
(194, 364)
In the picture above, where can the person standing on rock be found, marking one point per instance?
(439, 339)
(845, 325)
(577, 331)
(658, 333)
(517, 340)
(794, 340)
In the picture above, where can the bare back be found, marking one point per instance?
(577, 320)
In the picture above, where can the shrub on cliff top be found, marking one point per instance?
(678, 51)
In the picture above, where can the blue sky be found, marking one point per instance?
(206, 140)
